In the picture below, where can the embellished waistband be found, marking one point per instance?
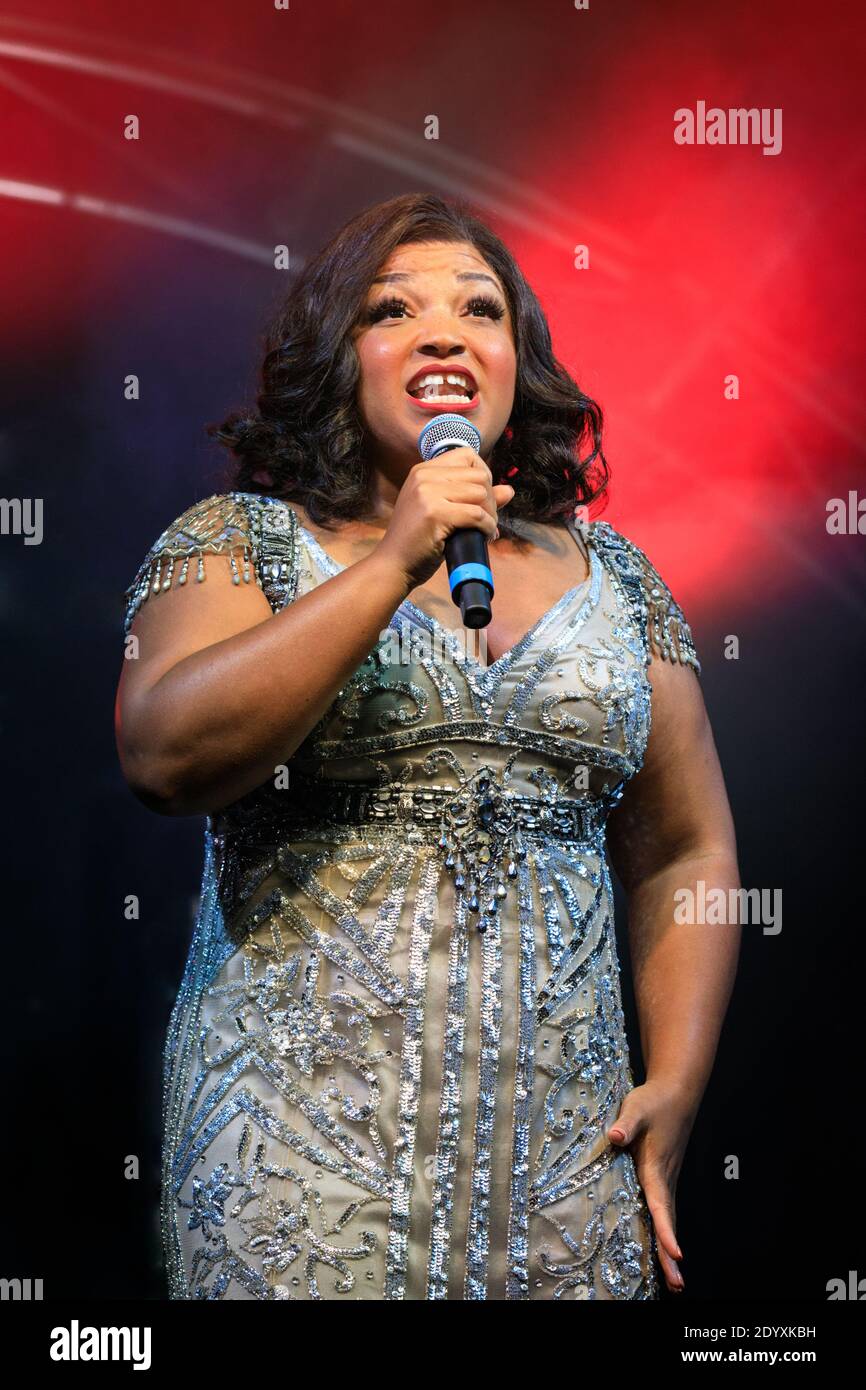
(481, 804)
(482, 827)
(485, 806)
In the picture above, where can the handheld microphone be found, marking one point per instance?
(469, 573)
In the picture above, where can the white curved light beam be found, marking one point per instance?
(474, 171)
(139, 217)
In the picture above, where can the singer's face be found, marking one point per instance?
(435, 308)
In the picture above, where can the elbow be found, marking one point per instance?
(717, 856)
(170, 787)
(157, 802)
(152, 781)
(155, 794)
(149, 763)
(713, 862)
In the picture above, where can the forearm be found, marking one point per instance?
(683, 972)
(223, 719)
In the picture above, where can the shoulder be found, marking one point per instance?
(245, 526)
(666, 630)
(224, 517)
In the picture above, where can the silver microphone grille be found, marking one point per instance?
(447, 432)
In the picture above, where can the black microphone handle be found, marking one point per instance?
(468, 546)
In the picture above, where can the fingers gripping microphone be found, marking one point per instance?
(469, 573)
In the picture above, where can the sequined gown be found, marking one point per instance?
(398, 1039)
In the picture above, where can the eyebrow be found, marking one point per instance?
(459, 275)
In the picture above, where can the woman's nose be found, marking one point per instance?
(442, 345)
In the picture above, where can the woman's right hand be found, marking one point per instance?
(440, 496)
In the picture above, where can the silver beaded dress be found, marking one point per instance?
(398, 1040)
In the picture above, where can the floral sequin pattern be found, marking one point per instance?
(366, 687)
(619, 688)
(608, 1257)
(284, 1245)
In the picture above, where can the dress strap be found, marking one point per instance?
(279, 548)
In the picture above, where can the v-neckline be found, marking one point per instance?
(449, 635)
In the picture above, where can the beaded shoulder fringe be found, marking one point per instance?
(670, 635)
(227, 523)
(220, 524)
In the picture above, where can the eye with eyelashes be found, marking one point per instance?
(481, 304)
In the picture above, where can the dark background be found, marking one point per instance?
(260, 128)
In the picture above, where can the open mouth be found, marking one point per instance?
(443, 388)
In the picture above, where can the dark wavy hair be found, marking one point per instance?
(305, 441)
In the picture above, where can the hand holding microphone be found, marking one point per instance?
(469, 572)
(448, 504)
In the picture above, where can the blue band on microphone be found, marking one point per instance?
(472, 570)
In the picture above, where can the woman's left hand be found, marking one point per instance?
(655, 1122)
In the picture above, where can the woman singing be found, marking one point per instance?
(397, 1065)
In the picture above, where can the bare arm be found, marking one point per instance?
(672, 829)
(224, 690)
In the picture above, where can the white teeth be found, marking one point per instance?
(429, 385)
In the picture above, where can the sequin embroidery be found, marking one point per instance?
(366, 1096)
